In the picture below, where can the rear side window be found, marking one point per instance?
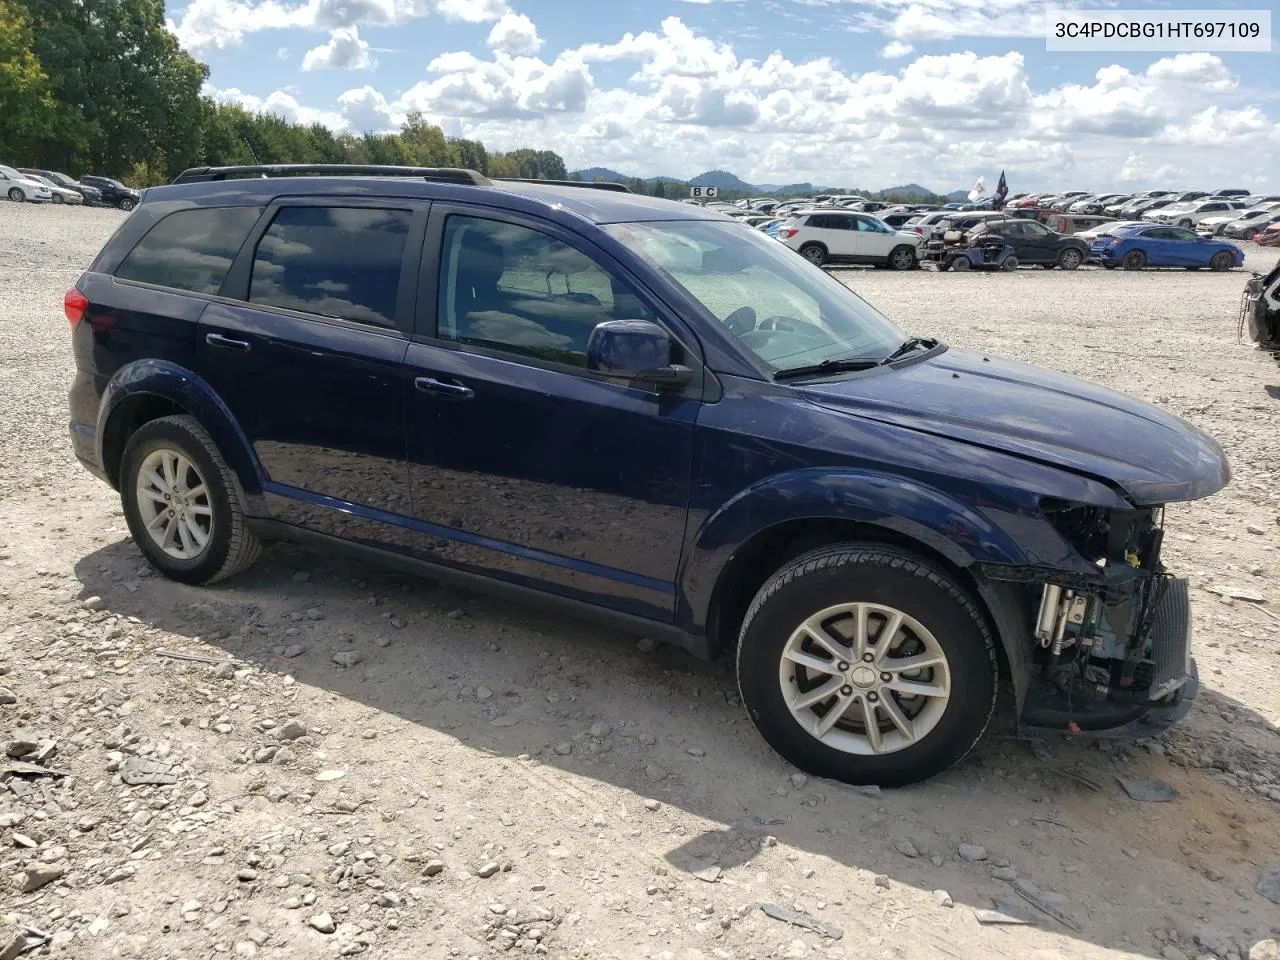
(190, 250)
(341, 262)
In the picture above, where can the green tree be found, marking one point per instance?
(28, 108)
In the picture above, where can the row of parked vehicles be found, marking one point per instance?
(1153, 229)
(30, 185)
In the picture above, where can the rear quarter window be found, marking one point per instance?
(191, 249)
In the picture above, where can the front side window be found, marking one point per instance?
(341, 262)
(191, 249)
(1179, 233)
(511, 288)
(787, 312)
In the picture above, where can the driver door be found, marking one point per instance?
(873, 242)
(524, 465)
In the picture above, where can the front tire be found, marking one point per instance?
(1221, 261)
(126, 205)
(1186, 222)
(815, 253)
(57, 198)
(901, 258)
(181, 503)
(16, 195)
(867, 664)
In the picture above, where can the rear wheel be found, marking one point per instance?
(1010, 263)
(1222, 260)
(1070, 259)
(960, 264)
(867, 664)
(16, 195)
(815, 253)
(902, 258)
(181, 504)
(1134, 260)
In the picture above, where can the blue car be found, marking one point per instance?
(645, 414)
(1164, 246)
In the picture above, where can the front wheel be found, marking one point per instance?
(1070, 259)
(1009, 264)
(1250, 233)
(126, 205)
(867, 664)
(57, 198)
(16, 195)
(1222, 260)
(902, 258)
(181, 504)
(1186, 222)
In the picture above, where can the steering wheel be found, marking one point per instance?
(741, 321)
(804, 328)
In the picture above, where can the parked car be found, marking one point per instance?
(1033, 243)
(60, 194)
(1160, 246)
(1069, 223)
(1270, 237)
(21, 188)
(830, 237)
(1246, 228)
(1095, 204)
(1136, 208)
(900, 221)
(1233, 192)
(1105, 229)
(113, 192)
(1217, 225)
(770, 226)
(89, 194)
(1189, 214)
(724, 448)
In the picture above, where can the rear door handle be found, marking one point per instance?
(218, 340)
(431, 385)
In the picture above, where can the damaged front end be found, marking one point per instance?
(1111, 646)
(1260, 310)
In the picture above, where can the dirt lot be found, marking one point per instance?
(486, 778)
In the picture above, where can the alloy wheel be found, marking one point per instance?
(173, 502)
(865, 678)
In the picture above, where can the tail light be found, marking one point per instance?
(74, 305)
(786, 233)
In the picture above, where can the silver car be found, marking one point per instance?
(20, 187)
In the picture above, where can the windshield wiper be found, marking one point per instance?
(910, 346)
(828, 366)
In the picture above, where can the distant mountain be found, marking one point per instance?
(909, 190)
(958, 196)
(601, 173)
(722, 179)
(786, 188)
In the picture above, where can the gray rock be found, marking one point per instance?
(247, 875)
(346, 658)
(432, 868)
(652, 805)
(1265, 950)
(1004, 873)
(483, 693)
(488, 870)
(93, 603)
(798, 780)
(7, 696)
(646, 645)
(389, 901)
(1256, 530)
(15, 948)
(127, 872)
(1170, 952)
(882, 881)
(1215, 941)
(322, 922)
(600, 730)
(39, 875)
(291, 730)
(294, 650)
(226, 670)
(654, 772)
(1269, 884)
(906, 848)
(972, 852)
(943, 899)
(564, 748)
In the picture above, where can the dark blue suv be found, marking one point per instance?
(645, 412)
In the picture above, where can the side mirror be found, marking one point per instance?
(635, 350)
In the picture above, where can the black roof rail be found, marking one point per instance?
(446, 174)
(608, 185)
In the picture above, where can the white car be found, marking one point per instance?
(1213, 225)
(1189, 214)
(60, 194)
(21, 186)
(838, 236)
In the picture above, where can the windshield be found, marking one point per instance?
(786, 311)
(11, 173)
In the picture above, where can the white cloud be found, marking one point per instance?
(280, 103)
(365, 110)
(282, 53)
(503, 87)
(344, 51)
(515, 34)
(895, 49)
(208, 25)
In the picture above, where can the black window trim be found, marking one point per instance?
(703, 385)
(235, 289)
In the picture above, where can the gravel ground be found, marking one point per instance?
(483, 778)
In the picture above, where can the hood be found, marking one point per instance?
(1016, 408)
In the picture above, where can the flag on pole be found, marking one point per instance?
(979, 190)
(1002, 191)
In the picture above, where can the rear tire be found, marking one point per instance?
(230, 546)
(1010, 264)
(883, 734)
(1134, 260)
(1070, 259)
(815, 253)
(960, 264)
(1221, 261)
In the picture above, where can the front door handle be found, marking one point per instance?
(218, 340)
(456, 390)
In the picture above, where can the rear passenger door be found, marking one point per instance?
(306, 346)
(831, 230)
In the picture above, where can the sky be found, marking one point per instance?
(866, 93)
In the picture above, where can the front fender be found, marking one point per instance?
(175, 383)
